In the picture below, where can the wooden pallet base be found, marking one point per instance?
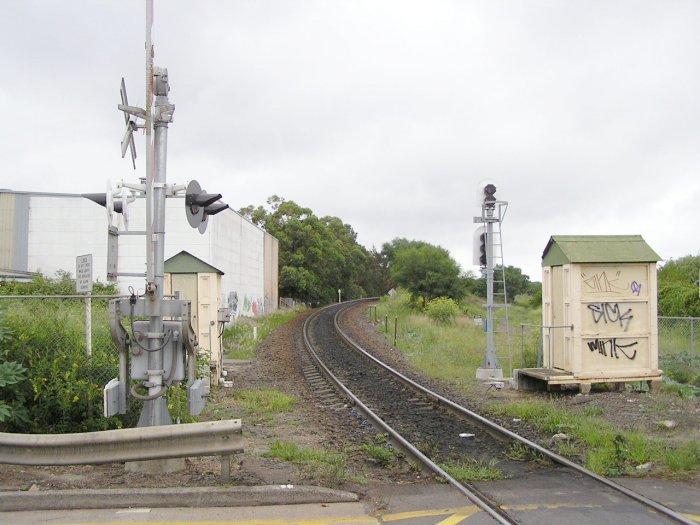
(541, 379)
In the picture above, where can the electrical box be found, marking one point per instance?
(223, 315)
(114, 398)
(173, 352)
(197, 396)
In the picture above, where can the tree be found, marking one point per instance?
(426, 271)
(517, 283)
(318, 256)
(678, 287)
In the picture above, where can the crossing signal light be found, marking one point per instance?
(199, 205)
(105, 199)
(489, 192)
(479, 253)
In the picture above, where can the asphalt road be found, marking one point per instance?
(536, 502)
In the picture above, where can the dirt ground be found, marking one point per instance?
(277, 366)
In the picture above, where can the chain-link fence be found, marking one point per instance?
(679, 352)
(678, 347)
(66, 365)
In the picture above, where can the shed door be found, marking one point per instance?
(186, 284)
(557, 339)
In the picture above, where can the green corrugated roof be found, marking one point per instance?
(185, 262)
(566, 249)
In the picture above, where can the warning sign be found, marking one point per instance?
(83, 273)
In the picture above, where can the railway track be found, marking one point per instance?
(433, 432)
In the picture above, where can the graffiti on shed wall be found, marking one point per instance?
(611, 313)
(628, 281)
(612, 348)
(247, 307)
(616, 315)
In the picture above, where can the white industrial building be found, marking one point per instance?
(45, 232)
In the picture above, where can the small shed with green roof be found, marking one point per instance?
(200, 282)
(599, 313)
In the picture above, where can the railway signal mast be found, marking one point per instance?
(487, 243)
(155, 351)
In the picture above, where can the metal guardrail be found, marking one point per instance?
(211, 438)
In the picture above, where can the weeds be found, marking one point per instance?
(520, 452)
(326, 466)
(380, 452)
(264, 402)
(474, 471)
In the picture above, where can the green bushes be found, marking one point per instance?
(63, 386)
(442, 310)
(56, 387)
(12, 402)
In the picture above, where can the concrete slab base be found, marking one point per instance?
(488, 374)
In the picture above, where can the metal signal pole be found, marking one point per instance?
(155, 411)
(490, 368)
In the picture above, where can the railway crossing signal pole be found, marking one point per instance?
(153, 338)
(155, 411)
(156, 351)
(490, 368)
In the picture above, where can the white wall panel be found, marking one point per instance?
(61, 227)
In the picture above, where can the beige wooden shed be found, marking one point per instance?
(599, 313)
(199, 282)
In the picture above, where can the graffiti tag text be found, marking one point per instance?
(611, 348)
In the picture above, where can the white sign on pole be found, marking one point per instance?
(83, 273)
(83, 284)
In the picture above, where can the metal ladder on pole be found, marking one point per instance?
(501, 324)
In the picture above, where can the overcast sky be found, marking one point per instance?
(387, 114)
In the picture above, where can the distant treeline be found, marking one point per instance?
(319, 256)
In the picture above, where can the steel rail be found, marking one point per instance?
(397, 439)
(464, 412)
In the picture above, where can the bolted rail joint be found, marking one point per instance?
(211, 438)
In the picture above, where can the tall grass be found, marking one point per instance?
(449, 351)
(241, 340)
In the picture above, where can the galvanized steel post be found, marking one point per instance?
(155, 410)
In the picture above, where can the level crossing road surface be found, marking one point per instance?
(433, 504)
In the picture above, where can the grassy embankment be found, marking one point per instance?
(452, 353)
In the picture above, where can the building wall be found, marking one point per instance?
(14, 223)
(271, 257)
(62, 228)
(59, 227)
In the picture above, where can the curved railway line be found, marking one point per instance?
(432, 431)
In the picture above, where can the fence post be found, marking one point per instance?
(692, 341)
(396, 325)
(522, 345)
(88, 326)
